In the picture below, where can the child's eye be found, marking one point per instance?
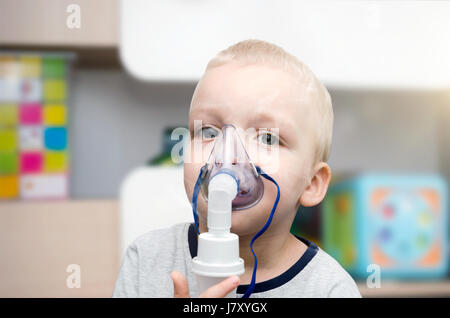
(268, 139)
(209, 132)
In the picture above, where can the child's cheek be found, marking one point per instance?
(188, 183)
(191, 171)
(270, 160)
(292, 177)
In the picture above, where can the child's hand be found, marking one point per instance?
(181, 289)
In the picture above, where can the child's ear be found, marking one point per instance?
(318, 186)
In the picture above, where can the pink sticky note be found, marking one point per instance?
(30, 114)
(31, 162)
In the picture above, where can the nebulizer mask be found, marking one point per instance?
(229, 181)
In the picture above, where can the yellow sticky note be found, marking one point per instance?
(54, 90)
(55, 161)
(8, 114)
(30, 66)
(8, 140)
(9, 187)
(55, 115)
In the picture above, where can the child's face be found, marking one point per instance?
(256, 97)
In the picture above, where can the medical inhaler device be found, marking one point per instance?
(218, 249)
(229, 181)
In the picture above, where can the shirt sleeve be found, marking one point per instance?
(127, 284)
(344, 288)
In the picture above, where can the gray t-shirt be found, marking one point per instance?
(150, 259)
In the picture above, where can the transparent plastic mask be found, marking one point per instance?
(229, 156)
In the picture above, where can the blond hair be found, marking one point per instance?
(262, 52)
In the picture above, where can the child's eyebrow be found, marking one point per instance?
(260, 119)
(205, 116)
(268, 120)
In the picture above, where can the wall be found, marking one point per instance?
(116, 124)
(386, 131)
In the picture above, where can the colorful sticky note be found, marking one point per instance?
(31, 162)
(8, 163)
(43, 186)
(8, 115)
(30, 138)
(55, 161)
(8, 140)
(30, 90)
(30, 66)
(30, 114)
(54, 90)
(33, 137)
(55, 138)
(53, 67)
(9, 187)
(54, 115)
(9, 66)
(9, 90)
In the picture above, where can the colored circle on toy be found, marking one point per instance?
(403, 227)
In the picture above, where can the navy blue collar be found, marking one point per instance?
(275, 282)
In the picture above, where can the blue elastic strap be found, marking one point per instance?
(250, 288)
(197, 187)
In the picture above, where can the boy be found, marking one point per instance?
(252, 85)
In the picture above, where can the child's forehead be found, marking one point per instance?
(254, 85)
(221, 98)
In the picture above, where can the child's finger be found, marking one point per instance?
(180, 285)
(222, 289)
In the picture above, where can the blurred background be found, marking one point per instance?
(91, 91)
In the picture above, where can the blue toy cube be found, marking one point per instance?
(396, 222)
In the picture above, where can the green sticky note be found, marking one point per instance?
(8, 162)
(53, 67)
(8, 140)
(8, 115)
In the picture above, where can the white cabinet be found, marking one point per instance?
(347, 44)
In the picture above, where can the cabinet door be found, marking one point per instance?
(51, 22)
(48, 248)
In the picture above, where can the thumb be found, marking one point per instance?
(180, 285)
